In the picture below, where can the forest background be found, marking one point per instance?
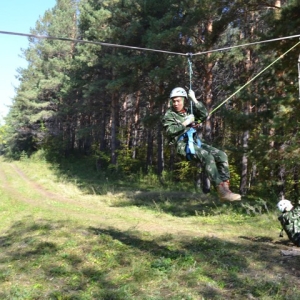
(105, 103)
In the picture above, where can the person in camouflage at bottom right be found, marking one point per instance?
(290, 220)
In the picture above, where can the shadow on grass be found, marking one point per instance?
(262, 239)
(218, 268)
(181, 199)
(59, 260)
(34, 268)
(177, 203)
(183, 204)
(180, 204)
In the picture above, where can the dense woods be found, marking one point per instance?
(107, 102)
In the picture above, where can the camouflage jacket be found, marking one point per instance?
(172, 121)
(290, 222)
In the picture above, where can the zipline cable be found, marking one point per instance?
(168, 52)
(140, 48)
(281, 56)
(89, 42)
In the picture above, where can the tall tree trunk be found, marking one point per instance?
(244, 171)
(136, 124)
(114, 116)
(149, 159)
(208, 79)
(245, 137)
(277, 9)
(160, 144)
(160, 150)
(296, 182)
(247, 110)
(103, 121)
(281, 182)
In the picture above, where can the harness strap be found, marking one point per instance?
(190, 149)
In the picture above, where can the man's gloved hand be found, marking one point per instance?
(192, 96)
(196, 125)
(188, 120)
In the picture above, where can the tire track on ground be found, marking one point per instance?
(33, 184)
(97, 212)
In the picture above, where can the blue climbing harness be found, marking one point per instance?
(190, 149)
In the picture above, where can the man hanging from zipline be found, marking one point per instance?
(179, 125)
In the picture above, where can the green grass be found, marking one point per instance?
(62, 239)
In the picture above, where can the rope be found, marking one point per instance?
(190, 70)
(190, 74)
(299, 75)
(169, 52)
(249, 44)
(143, 49)
(281, 56)
(89, 42)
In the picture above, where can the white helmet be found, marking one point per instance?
(284, 205)
(178, 92)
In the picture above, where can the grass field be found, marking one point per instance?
(64, 235)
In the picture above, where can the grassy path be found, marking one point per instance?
(96, 209)
(104, 210)
(58, 242)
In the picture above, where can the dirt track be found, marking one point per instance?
(96, 208)
(101, 211)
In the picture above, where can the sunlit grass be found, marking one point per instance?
(62, 239)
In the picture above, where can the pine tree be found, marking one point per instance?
(282, 97)
(37, 108)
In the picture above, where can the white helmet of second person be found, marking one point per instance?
(284, 205)
(178, 92)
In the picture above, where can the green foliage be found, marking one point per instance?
(3, 134)
(59, 240)
(185, 170)
(75, 96)
(126, 164)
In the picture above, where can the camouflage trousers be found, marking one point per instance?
(212, 160)
(290, 222)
